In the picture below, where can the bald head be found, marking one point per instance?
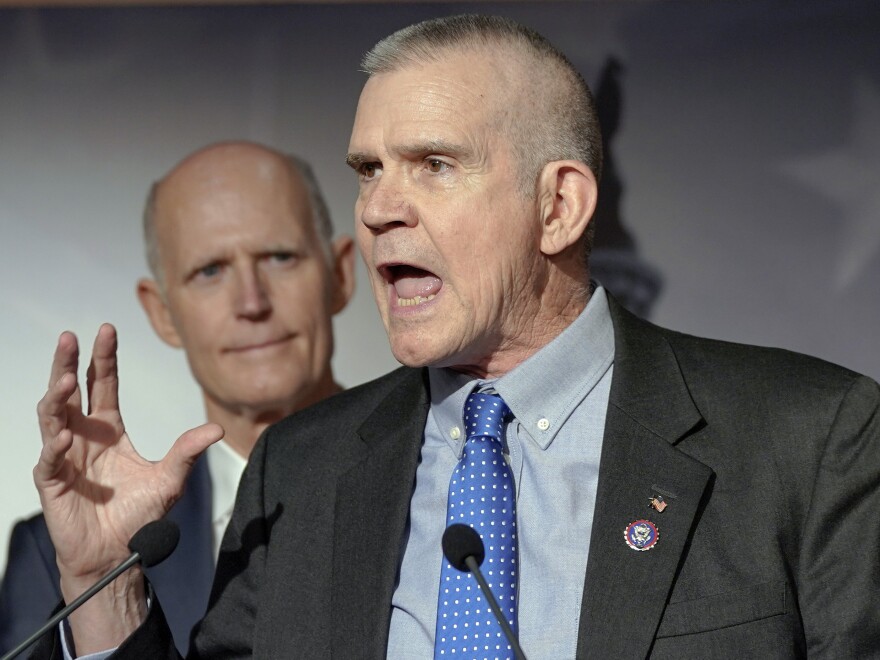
(247, 281)
(244, 169)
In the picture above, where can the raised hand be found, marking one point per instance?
(96, 490)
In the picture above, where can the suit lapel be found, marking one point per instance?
(372, 506)
(183, 581)
(649, 410)
(199, 520)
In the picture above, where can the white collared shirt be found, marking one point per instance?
(225, 466)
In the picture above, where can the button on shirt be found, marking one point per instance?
(558, 398)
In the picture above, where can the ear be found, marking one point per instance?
(154, 304)
(343, 272)
(567, 193)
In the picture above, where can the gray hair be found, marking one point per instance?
(561, 123)
(323, 223)
(550, 114)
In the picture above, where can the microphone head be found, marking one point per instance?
(461, 541)
(155, 541)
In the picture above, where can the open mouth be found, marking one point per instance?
(412, 285)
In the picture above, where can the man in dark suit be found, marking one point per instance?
(246, 279)
(639, 492)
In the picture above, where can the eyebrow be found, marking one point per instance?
(355, 160)
(440, 146)
(444, 147)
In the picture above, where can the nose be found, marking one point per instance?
(252, 300)
(385, 204)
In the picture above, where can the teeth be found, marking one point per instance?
(418, 300)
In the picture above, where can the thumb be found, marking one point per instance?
(187, 448)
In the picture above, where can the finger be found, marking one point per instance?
(102, 379)
(53, 408)
(65, 360)
(187, 448)
(66, 357)
(52, 457)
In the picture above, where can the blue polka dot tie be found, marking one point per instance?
(481, 494)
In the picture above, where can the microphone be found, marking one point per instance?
(150, 545)
(464, 549)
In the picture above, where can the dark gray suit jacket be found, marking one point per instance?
(31, 587)
(770, 463)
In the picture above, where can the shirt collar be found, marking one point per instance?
(542, 391)
(225, 466)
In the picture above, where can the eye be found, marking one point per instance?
(437, 166)
(210, 271)
(281, 258)
(369, 171)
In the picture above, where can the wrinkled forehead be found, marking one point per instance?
(468, 91)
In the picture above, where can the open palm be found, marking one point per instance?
(96, 490)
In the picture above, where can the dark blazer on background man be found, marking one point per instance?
(30, 589)
(769, 462)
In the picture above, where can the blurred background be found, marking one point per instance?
(742, 202)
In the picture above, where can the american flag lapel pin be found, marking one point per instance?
(657, 503)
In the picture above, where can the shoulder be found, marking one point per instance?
(328, 430)
(751, 359)
(30, 587)
(30, 545)
(764, 378)
(349, 408)
(360, 400)
(32, 533)
(723, 376)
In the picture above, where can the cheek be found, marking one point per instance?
(490, 276)
(199, 348)
(476, 260)
(198, 325)
(306, 302)
(362, 234)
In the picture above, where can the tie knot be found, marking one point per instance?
(484, 415)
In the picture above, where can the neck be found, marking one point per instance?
(243, 424)
(550, 314)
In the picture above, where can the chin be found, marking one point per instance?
(416, 354)
(274, 395)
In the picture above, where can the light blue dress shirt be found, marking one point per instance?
(559, 398)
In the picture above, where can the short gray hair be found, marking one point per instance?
(562, 123)
(323, 223)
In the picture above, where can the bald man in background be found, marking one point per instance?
(247, 278)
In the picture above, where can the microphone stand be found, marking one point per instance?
(471, 562)
(65, 611)
(150, 545)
